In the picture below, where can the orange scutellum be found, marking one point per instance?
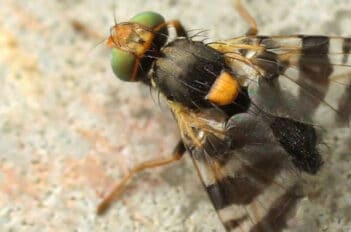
(224, 90)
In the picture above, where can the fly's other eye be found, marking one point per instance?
(136, 44)
(148, 19)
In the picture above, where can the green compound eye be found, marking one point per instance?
(123, 65)
(148, 18)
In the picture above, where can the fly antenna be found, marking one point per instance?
(114, 13)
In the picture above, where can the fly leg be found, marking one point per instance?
(177, 154)
(180, 30)
(253, 30)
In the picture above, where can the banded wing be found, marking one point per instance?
(305, 78)
(272, 158)
(248, 176)
(268, 174)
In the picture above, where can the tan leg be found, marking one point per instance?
(253, 30)
(177, 153)
(180, 30)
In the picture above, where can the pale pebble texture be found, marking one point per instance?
(69, 129)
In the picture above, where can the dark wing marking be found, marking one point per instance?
(305, 78)
(250, 179)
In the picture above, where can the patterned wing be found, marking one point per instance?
(272, 157)
(250, 178)
(305, 78)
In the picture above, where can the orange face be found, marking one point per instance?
(131, 37)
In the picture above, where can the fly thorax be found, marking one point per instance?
(186, 72)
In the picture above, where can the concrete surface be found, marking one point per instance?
(69, 129)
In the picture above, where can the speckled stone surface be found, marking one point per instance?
(70, 130)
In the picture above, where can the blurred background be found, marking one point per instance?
(69, 129)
